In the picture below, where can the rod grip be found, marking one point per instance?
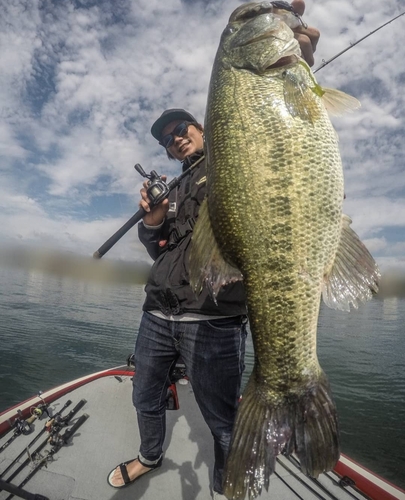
(69, 433)
(68, 403)
(31, 419)
(73, 412)
(119, 234)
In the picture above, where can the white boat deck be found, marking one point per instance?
(110, 436)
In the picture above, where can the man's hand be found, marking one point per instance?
(307, 37)
(156, 215)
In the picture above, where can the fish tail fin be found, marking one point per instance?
(316, 430)
(306, 424)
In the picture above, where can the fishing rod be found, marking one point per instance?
(325, 63)
(18, 421)
(54, 429)
(46, 427)
(157, 190)
(21, 426)
(57, 442)
(19, 492)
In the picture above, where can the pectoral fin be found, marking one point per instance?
(354, 275)
(207, 266)
(337, 102)
(299, 94)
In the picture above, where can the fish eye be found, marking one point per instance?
(230, 30)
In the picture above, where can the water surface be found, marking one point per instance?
(56, 329)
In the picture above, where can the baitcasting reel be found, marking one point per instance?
(157, 188)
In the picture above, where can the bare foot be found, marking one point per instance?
(134, 470)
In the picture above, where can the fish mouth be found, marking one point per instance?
(259, 38)
(282, 48)
(249, 40)
(285, 56)
(284, 61)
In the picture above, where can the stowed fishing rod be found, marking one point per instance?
(22, 426)
(325, 63)
(57, 442)
(46, 427)
(54, 427)
(157, 191)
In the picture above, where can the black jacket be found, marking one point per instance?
(168, 288)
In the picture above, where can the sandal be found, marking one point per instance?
(124, 473)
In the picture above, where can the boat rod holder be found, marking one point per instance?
(158, 190)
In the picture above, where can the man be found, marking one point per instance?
(209, 335)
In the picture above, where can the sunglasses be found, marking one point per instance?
(180, 131)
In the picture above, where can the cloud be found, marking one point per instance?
(82, 81)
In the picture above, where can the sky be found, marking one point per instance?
(81, 82)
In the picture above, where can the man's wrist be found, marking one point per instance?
(148, 226)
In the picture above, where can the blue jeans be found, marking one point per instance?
(213, 352)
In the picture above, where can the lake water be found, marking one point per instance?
(56, 329)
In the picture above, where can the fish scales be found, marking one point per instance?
(273, 216)
(275, 197)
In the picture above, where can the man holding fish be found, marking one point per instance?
(208, 329)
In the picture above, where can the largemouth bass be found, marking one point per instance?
(273, 216)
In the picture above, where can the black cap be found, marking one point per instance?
(170, 115)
